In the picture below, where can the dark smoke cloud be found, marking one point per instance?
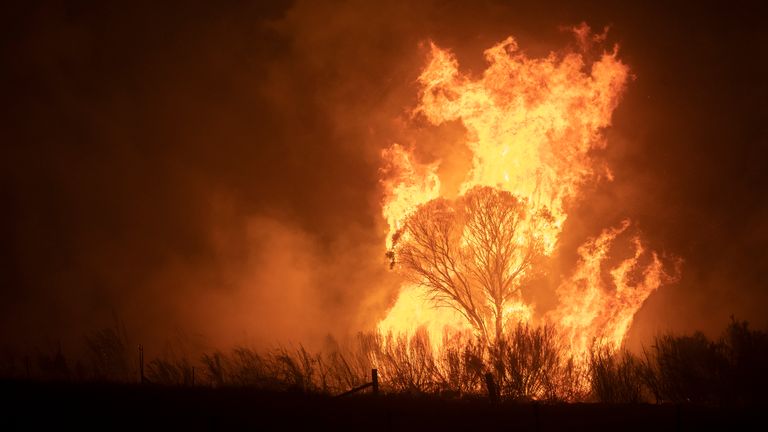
(213, 168)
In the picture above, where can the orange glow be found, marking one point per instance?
(531, 125)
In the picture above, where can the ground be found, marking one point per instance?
(34, 406)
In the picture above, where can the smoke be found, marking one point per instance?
(214, 168)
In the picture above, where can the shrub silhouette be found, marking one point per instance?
(747, 354)
(460, 368)
(527, 364)
(170, 371)
(696, 369)
(616, 377)
(109, 354)
(53, 366)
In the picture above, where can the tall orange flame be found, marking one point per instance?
(531, 125)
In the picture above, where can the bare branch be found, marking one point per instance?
(472, 253)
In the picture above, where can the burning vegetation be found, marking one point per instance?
(495, 300)
(533, 126)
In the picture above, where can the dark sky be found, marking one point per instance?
(212, 168)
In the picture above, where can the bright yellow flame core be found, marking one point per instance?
(531, 124)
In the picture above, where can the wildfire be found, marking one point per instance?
(531, 125)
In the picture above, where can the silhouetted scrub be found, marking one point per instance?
(696, 369)
(616, 377)
(110, 354)
(528, 363)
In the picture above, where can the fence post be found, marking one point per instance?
(141, 363)
(375, 381)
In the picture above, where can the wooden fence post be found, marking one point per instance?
(374, 385)
(141, 363)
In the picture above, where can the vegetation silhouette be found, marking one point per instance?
(531, 367)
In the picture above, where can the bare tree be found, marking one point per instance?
(472, 254)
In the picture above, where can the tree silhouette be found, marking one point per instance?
(472, 254)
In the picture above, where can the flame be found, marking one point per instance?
(407, 184)
(531, 125)
(596, 309)
(413, 311)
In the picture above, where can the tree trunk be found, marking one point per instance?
(499, 324)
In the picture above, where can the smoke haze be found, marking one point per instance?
(214, 169)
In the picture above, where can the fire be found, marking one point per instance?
(531, 125)
(595, 311)
(408, 184)
(413, 311)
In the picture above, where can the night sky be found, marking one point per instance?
(212, 169)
